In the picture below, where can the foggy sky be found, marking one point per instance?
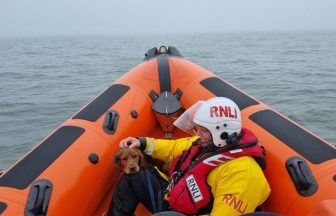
(71, 17)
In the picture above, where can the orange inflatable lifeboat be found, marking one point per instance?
(71, 172)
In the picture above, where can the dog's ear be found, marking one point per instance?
(142, 161)
(116, 161)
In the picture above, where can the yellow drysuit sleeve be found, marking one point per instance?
(167, 150)
(238, 186)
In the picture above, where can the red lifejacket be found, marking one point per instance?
(188, 190)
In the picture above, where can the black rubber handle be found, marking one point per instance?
(301, 176)
(111, 122)
(38, 198)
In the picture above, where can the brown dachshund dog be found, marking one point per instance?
(129, 160)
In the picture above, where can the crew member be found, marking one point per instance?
(217, 171)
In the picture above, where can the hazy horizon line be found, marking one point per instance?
(166, 33)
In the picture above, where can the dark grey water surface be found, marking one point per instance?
(45, 80)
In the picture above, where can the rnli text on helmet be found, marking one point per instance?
(220, 111)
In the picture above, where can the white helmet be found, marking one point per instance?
(220, 115)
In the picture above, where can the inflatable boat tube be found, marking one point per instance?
(70, 172)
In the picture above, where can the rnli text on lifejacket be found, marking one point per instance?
(194, 189)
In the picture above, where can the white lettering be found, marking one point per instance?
(194, 189)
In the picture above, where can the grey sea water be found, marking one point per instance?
(45, 80)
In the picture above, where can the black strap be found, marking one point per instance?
(151, 191)
(233, 140)
(219, 151)
(223, 150)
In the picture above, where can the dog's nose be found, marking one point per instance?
(132, 168)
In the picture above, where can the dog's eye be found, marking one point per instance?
(135, 156)
(124, 159)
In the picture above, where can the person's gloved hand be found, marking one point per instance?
(129, 142)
